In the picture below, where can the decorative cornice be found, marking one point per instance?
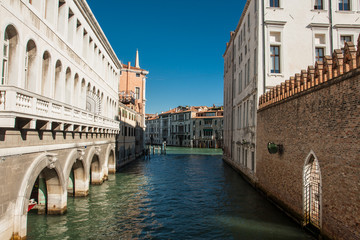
(272, 22)
(347, 26)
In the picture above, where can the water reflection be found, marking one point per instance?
(169, 197)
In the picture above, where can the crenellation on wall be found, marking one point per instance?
(341, 62)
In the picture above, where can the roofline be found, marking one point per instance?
(238, 25)
(95, 26)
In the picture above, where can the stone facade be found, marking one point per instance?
(260, 55)
(315, 117)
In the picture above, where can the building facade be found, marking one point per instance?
(260, 54)
(58, 107)
(187, 127)
(307, 145)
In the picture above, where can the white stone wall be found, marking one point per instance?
(75, 46)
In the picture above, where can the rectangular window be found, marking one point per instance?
(319, 54)
(255, 62)
(319, 4)
(274, 3)
(252, 161)
(138, 75)
(246, 153)
(247, 114)
(275, 59)
(239, 121)
(344, 39)
(344, 5)
(248, 71)
(5, 62)
(137, 93)
(240, 82)
(249, 22)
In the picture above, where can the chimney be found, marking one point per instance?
(129, 65)
(137, 63)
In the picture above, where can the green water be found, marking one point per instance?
(173, 196)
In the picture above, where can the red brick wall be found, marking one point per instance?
(326, 120)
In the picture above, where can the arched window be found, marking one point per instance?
(76, 94)
(68, 86)
(45, 77)
(10, 57)
(312, 192)
(30, 66)
(83, 94)
(58, 87)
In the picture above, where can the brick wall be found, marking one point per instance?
(315, 112)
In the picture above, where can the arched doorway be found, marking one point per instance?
(312, 192)
(95, 171)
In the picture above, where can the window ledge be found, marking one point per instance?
(345, 11)
(275, 75)
(319, 10)
(275, 8)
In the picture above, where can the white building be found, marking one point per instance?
(274, 40)
(58, 107)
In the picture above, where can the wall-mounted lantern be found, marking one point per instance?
(275, 148)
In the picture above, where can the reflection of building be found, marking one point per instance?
(58, 107)
(187, 127)
(260, 55)
(132, 100)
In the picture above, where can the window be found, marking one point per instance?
(137, 93)
(255, 62)
(240, 82)
(252, 161)
(319, 4)
(5, 61)
(245, 49)
(249, 22)
(239, 120)
(274, 3)
(319, 54)
(275, 59)
(138, 75)
(344, 39)
(248, 71)
(344, 5)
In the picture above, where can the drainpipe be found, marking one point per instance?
(263, 40)
(331, 27)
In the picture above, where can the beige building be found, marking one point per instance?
(260, 55)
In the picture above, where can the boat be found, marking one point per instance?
(32, 203)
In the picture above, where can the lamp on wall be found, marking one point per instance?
(275, 148)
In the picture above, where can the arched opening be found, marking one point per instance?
(95, 171)
(68, 86)
(312, 192)
(9, 64)
(30, 66)
(47, 193)
(83, 94)
(45, 78)
(77, 185)
(57, 87)
(111, 162)
(76, 95)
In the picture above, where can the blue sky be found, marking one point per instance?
(180, 43)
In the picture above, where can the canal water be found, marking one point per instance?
(186, 194)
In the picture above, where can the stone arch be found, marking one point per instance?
(10, 71)
(68, 86)
(45, 76)
(110, 160)
(312, 191)
(30, 66)
(94, 166)
(47, 165)
(58, 83)
(76, 177)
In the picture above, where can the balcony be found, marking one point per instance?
(27, 110)
(127, 97)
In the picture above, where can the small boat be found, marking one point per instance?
(32, 203)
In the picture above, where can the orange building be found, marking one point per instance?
(132, 86)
